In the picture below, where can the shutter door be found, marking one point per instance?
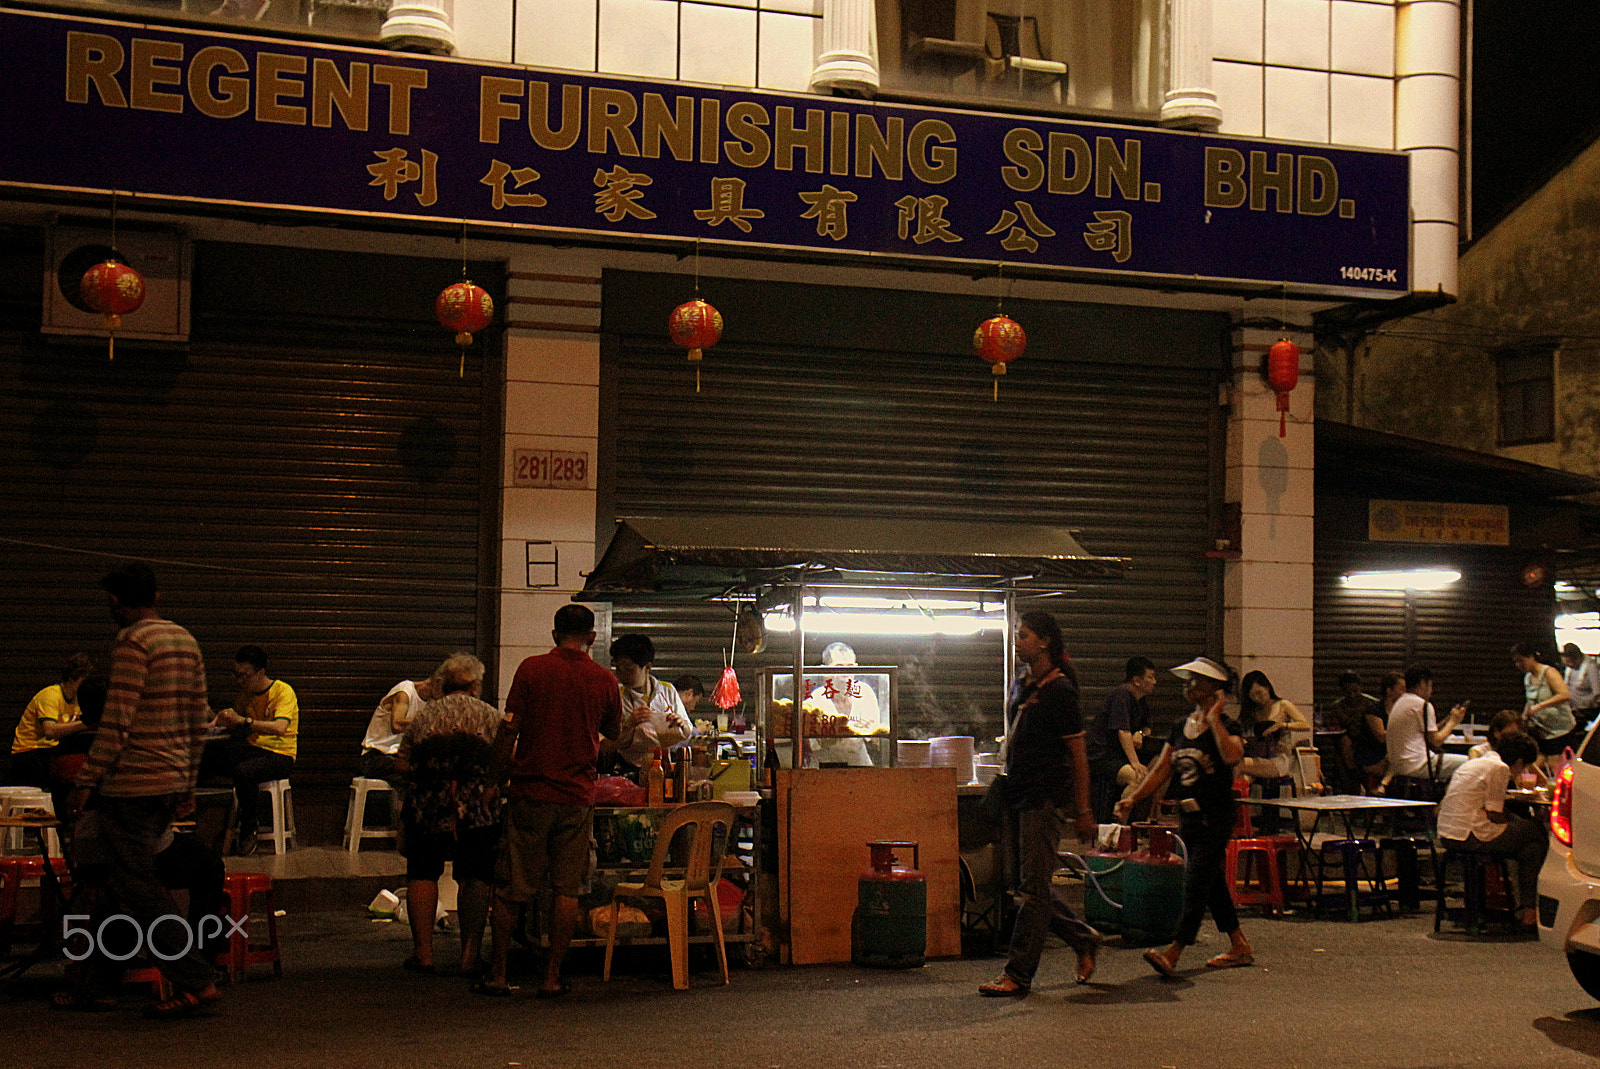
(307, 477)
(1463, 632)
(1119, 451)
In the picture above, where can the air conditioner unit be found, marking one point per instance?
(162, 257)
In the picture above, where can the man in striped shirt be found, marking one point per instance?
(141, 772)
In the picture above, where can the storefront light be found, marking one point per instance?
(1582, 629)
(1419, 579)
(888, 623)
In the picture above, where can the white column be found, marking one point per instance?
(1267, 591)
(1191, 103)
(420, 26)
(552, 402)
(849, 59)
(1427, 50)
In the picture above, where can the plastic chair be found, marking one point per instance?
(14, 872)
(355, 828)
(1349, 855)
(1479, 872)
(240, 889)
(282, 814)
(1264, 864)
(703, 867)
(1309, 763)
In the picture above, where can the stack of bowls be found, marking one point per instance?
(912, 753)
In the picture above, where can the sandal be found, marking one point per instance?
(73, 1000)
(1158, 961)
(1002, 987)
(183, 1004)
(1232, 960)
(563, 988)
(1086, 962)
(415, 964)
(484, 987)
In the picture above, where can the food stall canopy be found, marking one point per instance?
(706, 556)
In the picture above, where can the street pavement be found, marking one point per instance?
(1324, 994)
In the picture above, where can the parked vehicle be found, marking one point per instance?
(1569, 883)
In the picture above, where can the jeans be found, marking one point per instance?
(1043, 909)
(1205, 884)
(132, 829)
(249, 766)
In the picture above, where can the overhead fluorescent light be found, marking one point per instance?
(887, 623)
(1419, 579)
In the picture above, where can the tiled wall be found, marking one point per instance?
(770, 44)
(1306, 70)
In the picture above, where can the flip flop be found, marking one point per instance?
(72, 1000)
(1230, 960)
(183, 1004)
(563, 988)
(1086, 962)
(415, 964)
(1158, 962)
(484, 987)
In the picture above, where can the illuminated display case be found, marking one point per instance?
(849, 714)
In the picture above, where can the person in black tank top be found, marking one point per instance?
(1199, 760)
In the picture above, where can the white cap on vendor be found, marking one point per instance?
(1203, 666)
(838, 655)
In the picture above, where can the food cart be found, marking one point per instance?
(825, 811)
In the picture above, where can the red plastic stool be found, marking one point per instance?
(1268, 860)
(240, 889)
(13, 871)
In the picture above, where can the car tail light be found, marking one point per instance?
(1561, 807)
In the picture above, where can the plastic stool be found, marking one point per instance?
(282, 811)
(13, 872)
(239, 890)
(355, 828)
(1349, 854)
(1477, 873)
(1269, 887)
(1407, 851)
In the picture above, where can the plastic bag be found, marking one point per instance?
(618, 790)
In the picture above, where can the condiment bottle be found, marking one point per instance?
(654, 782)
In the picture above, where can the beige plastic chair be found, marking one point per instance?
(699, 881)
(1309, 764)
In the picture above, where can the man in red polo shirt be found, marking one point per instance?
(560, 704)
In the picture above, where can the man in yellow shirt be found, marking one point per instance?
(51, 716)
(263, 734)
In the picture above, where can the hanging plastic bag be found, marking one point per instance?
(726, 694)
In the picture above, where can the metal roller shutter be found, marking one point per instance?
(1463, 632)
(904, 427)
(307, 476)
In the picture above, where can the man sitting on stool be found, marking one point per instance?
(263, 736)
(1473, 817)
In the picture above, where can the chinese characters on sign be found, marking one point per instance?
(625, 159)
(1438, 521)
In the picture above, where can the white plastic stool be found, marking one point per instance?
(282, 814)
(355, 828)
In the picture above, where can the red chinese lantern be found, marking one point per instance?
(464, 308)
(999, 340)
(113, 289)
(1283, 372)
(696, 326)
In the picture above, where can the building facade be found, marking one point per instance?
(1157, 192)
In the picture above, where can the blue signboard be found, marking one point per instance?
(186, 115)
